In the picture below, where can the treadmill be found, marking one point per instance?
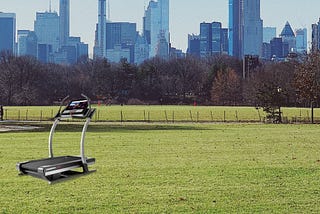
(55, 169)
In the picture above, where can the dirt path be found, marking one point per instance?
(9, 128)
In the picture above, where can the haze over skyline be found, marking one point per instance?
(185, 16)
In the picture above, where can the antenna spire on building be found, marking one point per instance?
(109, 10)
(50, 6)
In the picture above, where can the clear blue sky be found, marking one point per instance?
(185, 15)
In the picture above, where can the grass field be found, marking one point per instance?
(164, 113)
(170, 168)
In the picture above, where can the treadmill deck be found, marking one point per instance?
(53, 162)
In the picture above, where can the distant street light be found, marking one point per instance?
(279, 90)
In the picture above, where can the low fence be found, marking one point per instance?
(200, 115)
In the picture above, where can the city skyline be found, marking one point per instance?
(183, 20)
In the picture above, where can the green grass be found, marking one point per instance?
(163, 113)
(173, 168)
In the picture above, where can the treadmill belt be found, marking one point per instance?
(34, 165)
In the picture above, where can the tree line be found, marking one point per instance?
(212, 81)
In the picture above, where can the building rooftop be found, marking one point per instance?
(287, 31)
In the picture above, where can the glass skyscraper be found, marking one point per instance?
(64, 22)
(47, 28)
(245, 28)
(7, 32)
(194, 45)
(205, 39)
(216, 38)
(121, 38)
(156, 28)
(288, 37)
(315, 37)
(235, 28)
(302, 40)
(213, 39)
(121, 33)
(269, 33)
(100, 49)
(253, 28)
(27, 43)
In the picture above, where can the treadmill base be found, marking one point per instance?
(60, 177)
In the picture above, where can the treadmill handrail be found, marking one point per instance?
(88, 99)
(83, 133)
(61, 104)
(53, 128)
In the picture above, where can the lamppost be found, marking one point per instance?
(279, 90)
(312, 112)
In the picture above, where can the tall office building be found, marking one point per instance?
(225, 40)
(121, 33)
(205, 39)
(47, 29)
(7, 32)
(245, 28)
(315, 42)
(141, 49)
(64, 22)
(235, 28)
(253, 28)
(121, 39)
(288, 37)
(194, 45)
(27, 43)
(269, 33)
(302, 40)
(100, 49)
(216, 44)
(279, 49)
(213, 39)
(156, 28)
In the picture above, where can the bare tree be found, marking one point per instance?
(226, 88)
(307, 79)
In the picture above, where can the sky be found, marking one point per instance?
(185, 15)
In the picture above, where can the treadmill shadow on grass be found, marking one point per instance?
(96, 127)
(56, 169)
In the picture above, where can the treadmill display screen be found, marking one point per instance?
(76, 109)
(77, 105)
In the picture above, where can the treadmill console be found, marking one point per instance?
(76, 109)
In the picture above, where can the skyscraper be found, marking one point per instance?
(225, 40)
(302, 40)
(7, 32)
(120, 33)
(156, 28)
(194, 45)
(64, 22)
(288, 37)
(47, 29)
(121, 38)
(235, 28)
(245, 28)
(216, 29)
(27, 43)
(279, 49)
(100, 49)
(213, 39)
(205, 39)
(253, 28)
(269, 33)
(315, 43)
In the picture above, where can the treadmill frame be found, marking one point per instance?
(63, 171)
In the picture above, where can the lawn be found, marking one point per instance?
(164, 113)
(170, 168)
